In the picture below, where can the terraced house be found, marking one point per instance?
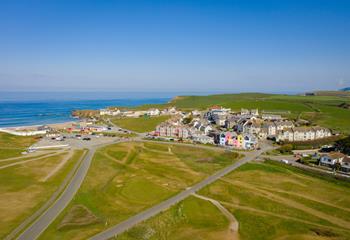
(238, 141)
(173, 130)
(302, 134)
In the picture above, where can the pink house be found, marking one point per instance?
(238, 141)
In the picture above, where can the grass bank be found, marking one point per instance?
(141, 124)
(12, 146)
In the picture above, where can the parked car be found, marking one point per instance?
(86, 139)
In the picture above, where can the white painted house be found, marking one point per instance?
(321, 132)
(153, 112)
(331, 159)
(303, 134)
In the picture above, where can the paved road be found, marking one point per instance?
(41, 223)
(293, 162)
(129, 223)
(43, 208)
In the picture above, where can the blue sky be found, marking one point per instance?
(230, 46)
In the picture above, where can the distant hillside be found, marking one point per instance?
(347, 89)
(333, 93)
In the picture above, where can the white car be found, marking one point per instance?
(285, 161)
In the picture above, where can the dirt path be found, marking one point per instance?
(308, 198)
(31, 160)
(118, 162)
(234, 225)
(36, 154)
(291, 203)
(59, 166)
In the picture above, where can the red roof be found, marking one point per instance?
(215, 107)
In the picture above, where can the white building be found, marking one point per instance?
(203, 139)
(345, 164)
(280, 125)
(302, 134)
(331, 159)
(173, 130)
(24, 132)
(109, 112)
(285, 135)
(153, 112)
(321, 132)
(270, 129)
(253, 112)
(251, 127)
(271, 117)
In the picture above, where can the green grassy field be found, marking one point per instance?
(274, 201)
(127, 178)
(191, 219)
(141, 124)
(12, 146)
(26, 187)
(269, 200)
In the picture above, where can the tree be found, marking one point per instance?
(343, 145)
(286, 149)
(187, 120)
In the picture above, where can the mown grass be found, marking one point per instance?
(188, 220)
(12, 146)
(22, 190)
(272, 201)
(141, 124)
(127, 178)
(269, 200)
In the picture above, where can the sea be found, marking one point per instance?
(39, 108)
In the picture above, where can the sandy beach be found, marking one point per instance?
(51, 125)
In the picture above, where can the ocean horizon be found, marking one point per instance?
(27, 109)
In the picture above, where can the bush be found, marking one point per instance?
(286, 149)
(343, 145)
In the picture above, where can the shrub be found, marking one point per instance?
(286, 149)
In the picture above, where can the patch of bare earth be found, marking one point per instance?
(78, 216)
(232, 233)
(59, 166)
